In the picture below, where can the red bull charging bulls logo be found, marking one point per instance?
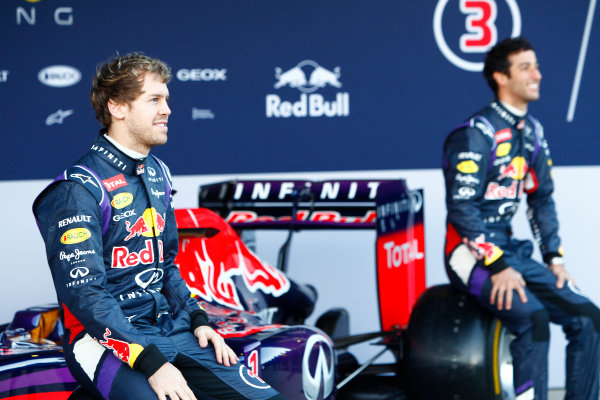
(209, 265)
(308, 77)
(120, 349)
(484, 250)
(517, 169)
(149, 224)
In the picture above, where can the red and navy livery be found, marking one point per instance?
(261, 311)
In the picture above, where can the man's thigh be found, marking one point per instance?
(210, 379)
(562, 304)
(522, 316)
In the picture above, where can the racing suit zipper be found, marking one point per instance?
(521, 154)
(520, 182)
(155, 249)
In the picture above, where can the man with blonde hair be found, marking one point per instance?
(132, 330)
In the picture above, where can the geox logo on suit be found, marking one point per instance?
(308, 77)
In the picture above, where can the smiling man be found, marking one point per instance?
(132, 330)
(489, 162)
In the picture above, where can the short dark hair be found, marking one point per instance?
(496, 59)
(121, 79)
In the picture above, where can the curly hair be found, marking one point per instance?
(121, 79)
(496, 59)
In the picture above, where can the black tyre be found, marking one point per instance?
(455, 350)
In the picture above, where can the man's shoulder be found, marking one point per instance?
(61, 193)
(491, 119)
(476, 127)
(493, 114)
(86, 176)
(80, 174)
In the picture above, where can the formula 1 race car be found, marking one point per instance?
(444, 345)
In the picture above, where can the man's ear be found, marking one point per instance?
(500, 77)
(117, 110)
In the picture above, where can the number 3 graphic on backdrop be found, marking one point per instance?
(480, 24)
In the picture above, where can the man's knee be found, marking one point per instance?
(590, 310)
(588, 318)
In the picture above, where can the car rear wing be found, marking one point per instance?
(388, 206)
(277, 204)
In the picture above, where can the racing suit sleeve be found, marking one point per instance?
(539, 187)
(70, 222)
(466, 160)
(175, 289)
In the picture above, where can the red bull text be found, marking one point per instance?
(123, 258)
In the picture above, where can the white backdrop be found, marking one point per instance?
(339, 264)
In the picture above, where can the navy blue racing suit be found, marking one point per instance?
(489, 162)
(111, 239)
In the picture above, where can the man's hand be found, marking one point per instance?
(224, 353)
(168, 381)
(503, 284)
(562, 275)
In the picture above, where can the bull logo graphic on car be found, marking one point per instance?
(215, 282)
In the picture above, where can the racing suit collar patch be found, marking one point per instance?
(505, 114)
(115, 157)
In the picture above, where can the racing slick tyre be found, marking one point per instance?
(455, 349)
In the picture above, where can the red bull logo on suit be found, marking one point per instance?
(119, 348)
(122, 257)
(517, 169)
(150, 224)
(124, 351)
